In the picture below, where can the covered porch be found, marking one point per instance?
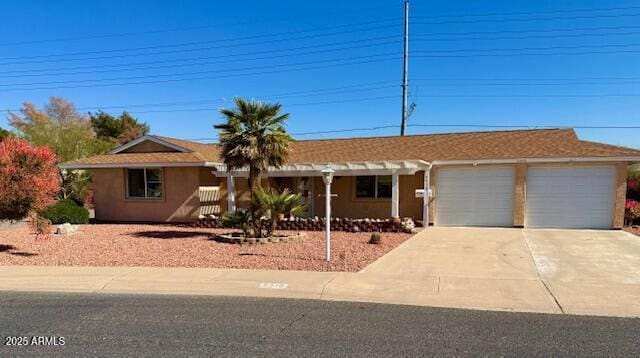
(373, 189)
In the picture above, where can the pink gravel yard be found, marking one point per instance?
(181, 246)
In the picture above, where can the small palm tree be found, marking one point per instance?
(254, 137)
(237, 219)
(272, 204)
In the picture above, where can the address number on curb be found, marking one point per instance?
(274, 285)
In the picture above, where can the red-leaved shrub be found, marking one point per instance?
(632, 211)
(29, 179)
(632, 185)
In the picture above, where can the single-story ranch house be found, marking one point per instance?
(522, 178)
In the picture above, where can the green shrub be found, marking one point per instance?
(237, 220)
(66, 211)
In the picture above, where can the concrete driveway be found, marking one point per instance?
(554, 271)
(589, 271)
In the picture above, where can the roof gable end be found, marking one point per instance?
(158, 145)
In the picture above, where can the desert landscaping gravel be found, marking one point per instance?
(183, 246)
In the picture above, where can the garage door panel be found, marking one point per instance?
(475, 196)
(570, 197)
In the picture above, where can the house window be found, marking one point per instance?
(373, 186)
(144, 183)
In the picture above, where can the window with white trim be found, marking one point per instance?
(373, 186)
(144, 183)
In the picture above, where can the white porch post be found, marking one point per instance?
(231, 194)
(395, 195)
(425, 197)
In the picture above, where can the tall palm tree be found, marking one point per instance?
(254, 137)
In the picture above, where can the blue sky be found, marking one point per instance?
(332, 64)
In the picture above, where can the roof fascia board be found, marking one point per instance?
(149, 138)
(538, 160)
(137, 165)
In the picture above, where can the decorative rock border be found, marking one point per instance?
(318, 224)
(241, 240)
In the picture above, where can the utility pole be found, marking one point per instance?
(405, 70)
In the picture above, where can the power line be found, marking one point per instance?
(528, 12)
(209, 109)
(158, 31)
(526, 37)
(377, 85)
(532, 54)
(526, 78)
(443, 125)
(233, 57)
(530, 31)
(381, 56)
(533, 48)
(206, 77)
(360, 87)
(49, 60)
(542, 84)
(468, 125)
(596, 95)
(32, 72)
(361, 99)
(527, 19)
(435, 53)
(124, 34)
(189, 59)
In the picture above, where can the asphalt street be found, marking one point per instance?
(156, 326)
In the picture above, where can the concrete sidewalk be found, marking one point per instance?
(516, 295)
(157, 280)
(488, 269)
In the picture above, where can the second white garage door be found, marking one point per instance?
(574, 197)
(479, 196)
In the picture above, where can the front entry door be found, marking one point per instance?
(304, 186)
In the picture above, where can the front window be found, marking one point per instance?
(144, 183)
(373, 186)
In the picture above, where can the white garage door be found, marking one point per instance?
(576, 197)
(479, 196)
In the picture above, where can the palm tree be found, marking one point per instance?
(254, 137)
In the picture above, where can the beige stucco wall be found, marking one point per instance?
(206, 178)
(180, 202)
(345, 204)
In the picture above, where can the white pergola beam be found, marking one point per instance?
(405, 167)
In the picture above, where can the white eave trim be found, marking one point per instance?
(537, 160)
(137, 165)
(342, 168)
(149, 138)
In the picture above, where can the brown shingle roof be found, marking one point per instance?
(547, 143)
